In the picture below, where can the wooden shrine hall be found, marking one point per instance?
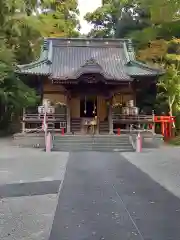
(91, 85)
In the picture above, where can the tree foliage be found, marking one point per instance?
(154, 27)
(169, 86)
(118, 18)
(23, 23)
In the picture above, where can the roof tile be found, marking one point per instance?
(67, 59)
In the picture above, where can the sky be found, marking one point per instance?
(84, 7)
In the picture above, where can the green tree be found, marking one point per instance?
(169, 88)
(14, 94)
(154, 27)
(118, 18)
(22, 27)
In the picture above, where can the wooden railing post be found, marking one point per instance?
(23, 122)
(110, 118)
(68, 115)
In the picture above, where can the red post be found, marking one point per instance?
(170, 130)
(118, 131)
(62, 131)
(162, 128)
(165, 131)
(167, 127)
(150, 126)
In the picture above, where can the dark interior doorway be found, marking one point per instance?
(88, 107)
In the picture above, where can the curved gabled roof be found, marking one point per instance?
(69, 58)
(138, 69)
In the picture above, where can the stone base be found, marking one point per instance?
(29, 140)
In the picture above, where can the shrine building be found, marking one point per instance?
(87, 82)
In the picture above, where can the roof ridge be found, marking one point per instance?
(130, 49)
(89, 39)
(32, 65)
(44, 57)
(92, 61)
(126, 52)
(145, 66)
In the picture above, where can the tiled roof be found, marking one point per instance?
(39, 67)
(69, 62)
(135, 68)
(69, 58)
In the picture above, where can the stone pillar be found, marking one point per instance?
(68, 115)
(110, 117)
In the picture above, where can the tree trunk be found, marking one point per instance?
(171, 102)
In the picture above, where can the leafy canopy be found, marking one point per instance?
(23, 23)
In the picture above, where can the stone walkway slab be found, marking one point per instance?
(162, 165)
(19, 165)
(29, 189)
(27, 218)
(106, 197)
(29, 184)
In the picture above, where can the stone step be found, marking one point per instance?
(123, 136)
(103, 127)
(91, 137)
(95, 142)
(92, 148)
(75, 125)
(92, 143)
(90, 140)
(77, 142)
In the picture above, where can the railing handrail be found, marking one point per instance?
(41, 114)
(133, 114)
(138, 117)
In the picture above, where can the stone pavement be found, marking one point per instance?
(125, 196)
(162, 165)
(106, 197)
(29, 184)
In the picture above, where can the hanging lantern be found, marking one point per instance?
(94, 110)
(85, 111)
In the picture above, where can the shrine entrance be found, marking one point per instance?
(88, 114)
(88, 107)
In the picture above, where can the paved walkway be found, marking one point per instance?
(106, 197)
(125, 196)
(29, 184)
(162, 165)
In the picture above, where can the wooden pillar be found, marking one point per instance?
(40, 88)
(23, 123)
(68, 117)
(110, 117)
